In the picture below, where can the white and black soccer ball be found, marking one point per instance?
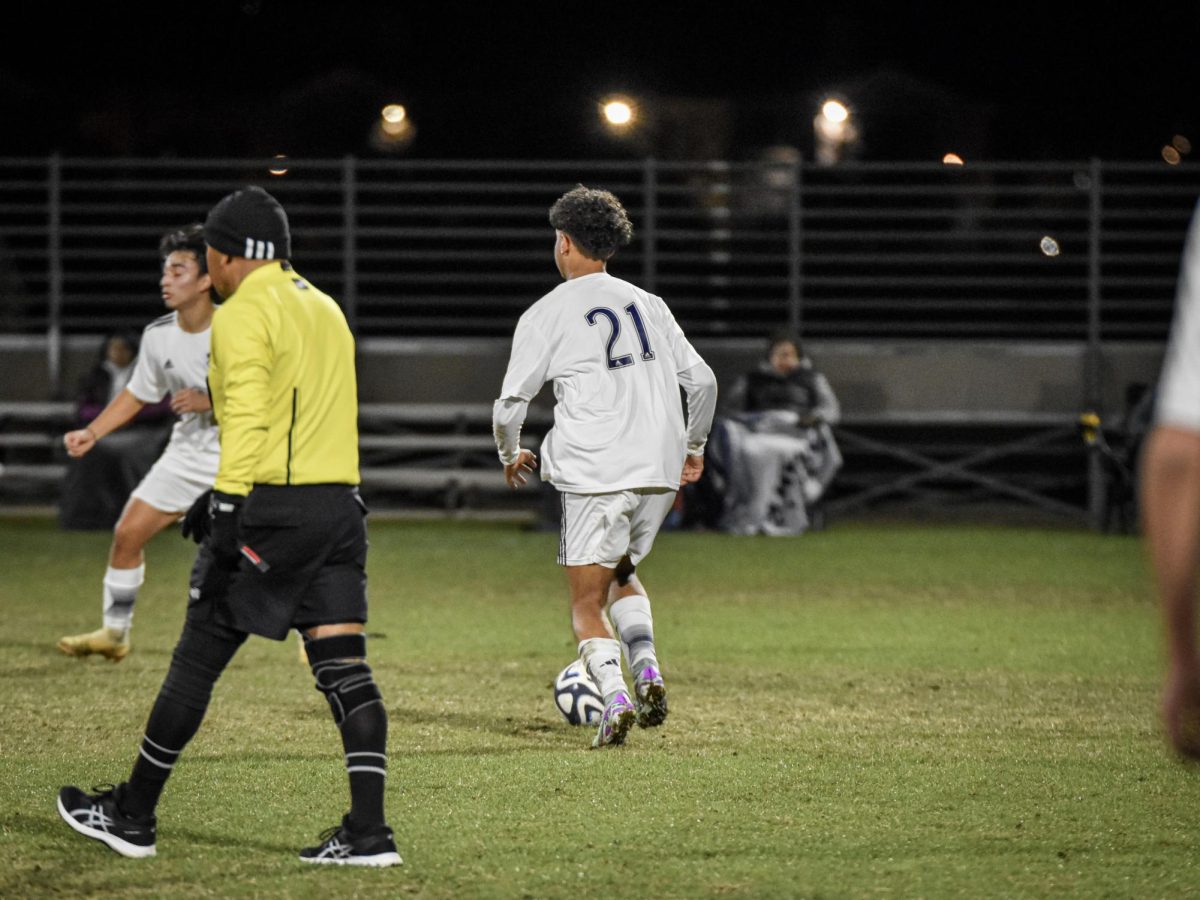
(576, 695)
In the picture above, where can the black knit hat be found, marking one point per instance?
(249, 223)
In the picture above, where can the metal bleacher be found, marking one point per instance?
(867, 261)
(431, 455)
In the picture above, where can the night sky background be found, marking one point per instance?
(1012, 81)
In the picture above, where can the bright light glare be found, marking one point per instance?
(280, 165)
(952, 159)
(618, 112)
(1049, 246)
(1171, 155)
(835, 111)
(394, 113)
(1182, 144)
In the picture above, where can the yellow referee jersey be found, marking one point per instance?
(283, 386)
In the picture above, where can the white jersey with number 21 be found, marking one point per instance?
(617, 358)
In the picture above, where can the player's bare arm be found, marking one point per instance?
(119, 412)
(190, 400)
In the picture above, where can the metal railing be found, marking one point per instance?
(428, 248)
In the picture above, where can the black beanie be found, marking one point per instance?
(249, 223)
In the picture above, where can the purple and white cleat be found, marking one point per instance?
(650, 695)
(616, 721)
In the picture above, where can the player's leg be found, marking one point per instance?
(595, 532)
(123, 817)
(600, 652)
(630, 613)
(126, 571)
(337, 654)
(331, 618)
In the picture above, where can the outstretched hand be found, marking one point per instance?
(515, 474)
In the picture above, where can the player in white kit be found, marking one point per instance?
(1171, 503)
(619, 449)
(173, 360)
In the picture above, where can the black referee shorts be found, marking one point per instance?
(303, 563)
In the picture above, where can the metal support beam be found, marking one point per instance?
(957, 468)
(650, 225)
(54, 274)
(795, 249)
(350, 242)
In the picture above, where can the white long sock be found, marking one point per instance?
(602, 656)
(120, 593)
(634, 625)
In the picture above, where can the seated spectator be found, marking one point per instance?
(774, 450)
(97, 485)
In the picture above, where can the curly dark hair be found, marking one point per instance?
(595, 220)
(189, 238)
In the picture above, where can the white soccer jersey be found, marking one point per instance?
(171, 359)
(617, 358)
(1179, 388)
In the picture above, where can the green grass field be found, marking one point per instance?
(869, 711)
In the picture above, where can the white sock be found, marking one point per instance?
(635, 627)
(120, 593)
(602, 656)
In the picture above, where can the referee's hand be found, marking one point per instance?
(515, 474)
(224, 510)
(197, 523)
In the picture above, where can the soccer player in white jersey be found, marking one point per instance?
(619, 449)
(1171, 503)
(173, 360)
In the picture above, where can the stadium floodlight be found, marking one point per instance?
(835, 111)
(393, 120)
(618, 113)
(394, 130)
(834, 129)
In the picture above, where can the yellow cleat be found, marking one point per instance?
(108, 642)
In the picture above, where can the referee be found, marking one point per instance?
(284, 538)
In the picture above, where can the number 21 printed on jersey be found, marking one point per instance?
(614, 323)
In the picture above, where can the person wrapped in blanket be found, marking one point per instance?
(774, 455)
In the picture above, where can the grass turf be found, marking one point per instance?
(869, 711)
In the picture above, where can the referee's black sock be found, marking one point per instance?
(200, 658)
(343, 676)
(364, 738)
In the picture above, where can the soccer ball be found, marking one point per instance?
(576, 695)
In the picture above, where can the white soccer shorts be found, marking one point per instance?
(601, 528)
(173, 483)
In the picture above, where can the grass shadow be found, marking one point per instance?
(51, 825)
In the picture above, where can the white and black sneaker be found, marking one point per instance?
(99, 816)
(342, 847)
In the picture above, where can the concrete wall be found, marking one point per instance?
(870, 378)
